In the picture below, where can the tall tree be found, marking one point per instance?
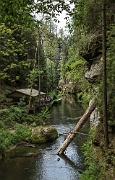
(106, 138)
(17, 40)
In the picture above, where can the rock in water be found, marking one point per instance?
(43, 134)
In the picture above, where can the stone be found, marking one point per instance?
(43, 134)
(94, 71)
(94, 118)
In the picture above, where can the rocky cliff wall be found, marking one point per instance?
(93, 73)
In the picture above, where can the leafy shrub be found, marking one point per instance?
(2, 125)
(19, 115)
(5, 139)
(91, 163)
(22, 133)
(14, 125)
(93, 168)
(8, 138)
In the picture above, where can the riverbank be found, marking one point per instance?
(46, 164)
(26, 145)
(18, 126)
(99, 162)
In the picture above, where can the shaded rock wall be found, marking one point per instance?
(93, 70)
(93, 73)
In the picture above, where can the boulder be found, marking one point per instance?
(43, 134)
(40, 135)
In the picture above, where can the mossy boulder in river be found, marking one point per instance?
(39, 135)
(43, 134)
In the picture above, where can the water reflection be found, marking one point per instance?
(47, 165)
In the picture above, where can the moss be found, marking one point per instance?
(21, 150)
(39, 139)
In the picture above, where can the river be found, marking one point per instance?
(47, 165)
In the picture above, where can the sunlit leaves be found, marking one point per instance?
(18, 35)
(13, 11)
(75, 69)
(51, 7)
(17, 41)
(7, 42)
(32, 77)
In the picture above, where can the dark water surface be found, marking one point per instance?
(47, 165)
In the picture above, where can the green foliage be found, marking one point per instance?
(5, 117)
(88, 14)
(5, 139)
(51, 8)
(72, 65)
(14, 52)
(98, 164)
(2, 125)
(15, 125)
(22, 102)
(33, 77)
(75, 68)
(111, 76)
(93, 168)
(19, 115)
(8, 137)
(17, 41)
(12, 115)
(22, 133)
(44, 114)
(15, 11)
(52, 54)
(91, 163)
(51, 45)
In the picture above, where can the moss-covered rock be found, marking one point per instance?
(39, 135)
(43, 134)
(22, 150)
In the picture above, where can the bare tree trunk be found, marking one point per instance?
(39, 78)
(105, 123)
(78, 126)
(30, 98)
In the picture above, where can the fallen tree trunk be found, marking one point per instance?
(78, 126)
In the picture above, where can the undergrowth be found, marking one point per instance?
(97, 163)
(16, 124)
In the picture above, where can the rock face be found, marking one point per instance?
(93, 74)
(93, 49)
(43, 134)
(68, 87)
(94, 118)
(93, 70)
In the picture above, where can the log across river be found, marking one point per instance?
(76, 129)
(47, 165)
